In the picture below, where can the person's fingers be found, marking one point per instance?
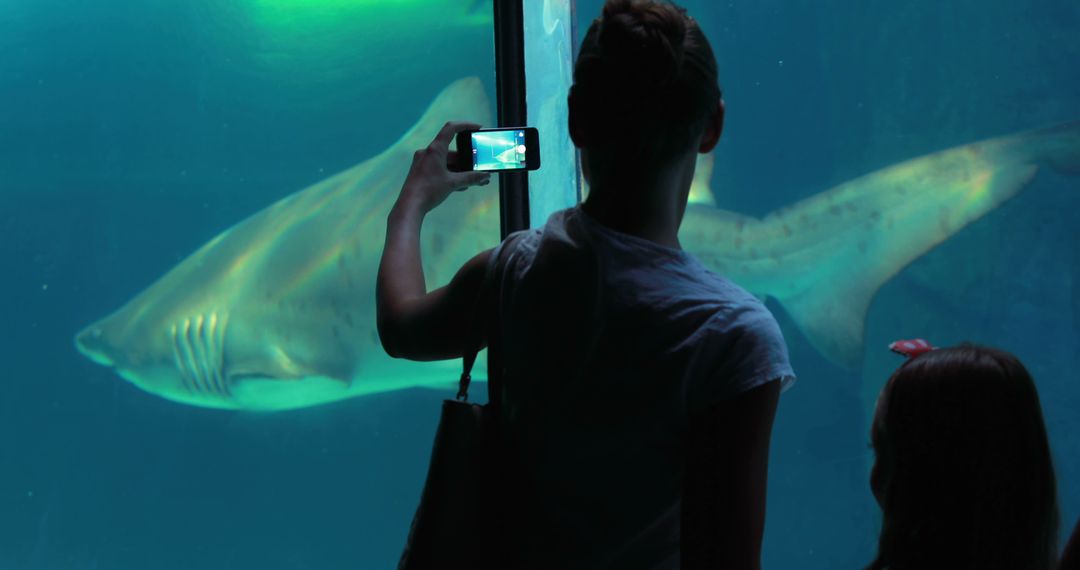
(463, 180)
(451, 128)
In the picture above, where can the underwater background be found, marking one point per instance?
(131, 132)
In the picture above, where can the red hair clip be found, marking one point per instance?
(911, 348)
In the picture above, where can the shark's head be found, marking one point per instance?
(206, 361)
(160, 362)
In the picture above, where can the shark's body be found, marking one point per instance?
(277, 312)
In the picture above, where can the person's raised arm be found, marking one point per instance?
(723, 510)
(412, 322)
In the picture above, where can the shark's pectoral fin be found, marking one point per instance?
(832, 316)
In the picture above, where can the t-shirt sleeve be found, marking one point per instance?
(502, 253)
(742, 349)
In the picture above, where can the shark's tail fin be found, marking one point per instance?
(891, 217)
(825, 257)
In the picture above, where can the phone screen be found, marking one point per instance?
(499, 150)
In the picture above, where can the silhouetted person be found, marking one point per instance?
(639, 388)
(963, 471)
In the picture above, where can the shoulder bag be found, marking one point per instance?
(456, 521)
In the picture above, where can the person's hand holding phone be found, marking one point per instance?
(430, 178)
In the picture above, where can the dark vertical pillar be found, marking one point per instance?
(510, 93)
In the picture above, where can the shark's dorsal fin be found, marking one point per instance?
(456, 102)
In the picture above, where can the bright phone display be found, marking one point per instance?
(499, 149)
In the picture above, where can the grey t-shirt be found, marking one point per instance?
(610, 344)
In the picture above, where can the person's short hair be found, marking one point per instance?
(964, 473)
(645, 82)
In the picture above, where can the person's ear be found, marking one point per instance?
(573, 101)
(713, 128)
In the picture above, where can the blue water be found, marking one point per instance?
(133, 131)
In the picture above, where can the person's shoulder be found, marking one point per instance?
(737, 312)
(555, 227)
(511, 246)
(746, 341)
(730, 295)
(522, 245)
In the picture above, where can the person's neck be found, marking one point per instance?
(650, 213)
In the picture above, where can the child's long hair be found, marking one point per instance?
(963, 472)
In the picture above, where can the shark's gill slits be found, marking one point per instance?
(204, 339)
(195, 358)
(215, 348)
(198, 350)
(180, 357)
(198, 354)
(191, 362)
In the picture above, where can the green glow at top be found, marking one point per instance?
(364, 14)
(325, 38)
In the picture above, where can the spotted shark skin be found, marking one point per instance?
(824, 258)
(277, 312)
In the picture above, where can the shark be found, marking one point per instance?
(277, 311)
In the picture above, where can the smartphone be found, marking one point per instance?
(515, 148)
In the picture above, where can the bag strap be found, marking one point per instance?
(466, 374)
(476, 332)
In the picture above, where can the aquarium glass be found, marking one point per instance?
(134, 133)
(549, 47)
(819, 94)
